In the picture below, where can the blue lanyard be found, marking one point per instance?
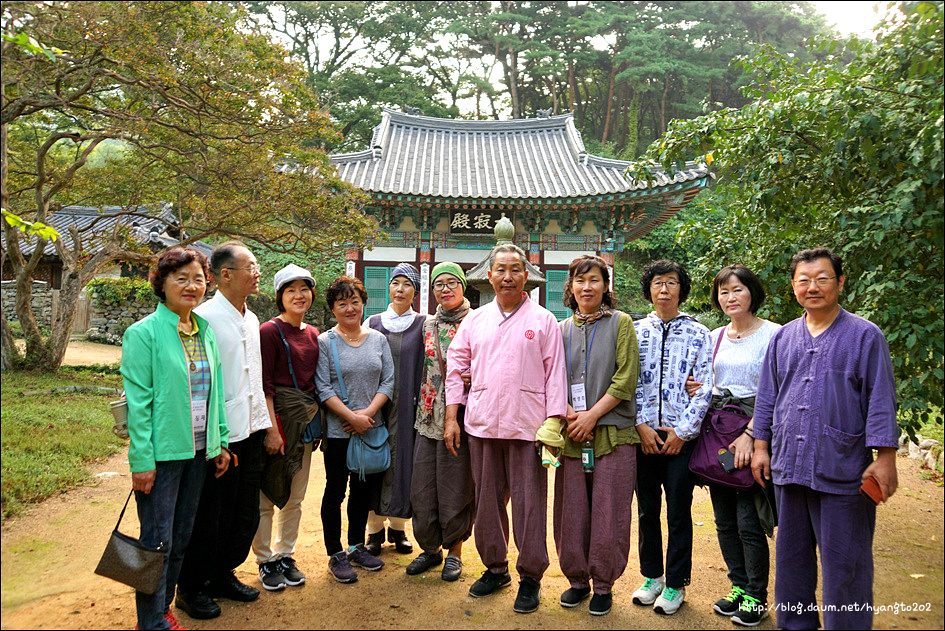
(586, 355)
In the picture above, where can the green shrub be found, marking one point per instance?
(119, 290)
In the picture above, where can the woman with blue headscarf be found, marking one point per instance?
(403, 328)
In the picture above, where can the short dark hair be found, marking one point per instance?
(582, 265)
(664, 266)
(282, 291)
(171, 261)
(223, 255)
(345, 287)
(748, 278)
(808, 256)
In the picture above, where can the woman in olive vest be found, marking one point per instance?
(594, 485)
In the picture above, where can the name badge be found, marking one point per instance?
(578, 397)
(198, 415)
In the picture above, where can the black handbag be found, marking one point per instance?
(128, 561)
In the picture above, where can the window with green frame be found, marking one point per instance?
(554, 293)
(376, 281)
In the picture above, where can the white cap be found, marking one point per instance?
(290, 273)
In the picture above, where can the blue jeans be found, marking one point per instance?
(167, 514)
(742, 539)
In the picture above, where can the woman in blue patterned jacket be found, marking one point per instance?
(673, 346)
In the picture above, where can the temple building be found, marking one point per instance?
(438, 187)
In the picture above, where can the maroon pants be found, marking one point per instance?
(592, 515)
(504, 469)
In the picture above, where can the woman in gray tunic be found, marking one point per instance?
(403, 328)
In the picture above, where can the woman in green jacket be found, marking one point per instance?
(173, 383)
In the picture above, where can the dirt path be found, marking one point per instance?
(48, 556)
(82, 353)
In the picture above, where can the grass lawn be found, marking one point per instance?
(49, 439)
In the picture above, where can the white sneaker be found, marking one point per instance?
(670, 601)
(646, 595)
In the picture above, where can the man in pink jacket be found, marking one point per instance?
(513, 353)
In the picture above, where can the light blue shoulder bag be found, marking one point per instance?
(368, 452)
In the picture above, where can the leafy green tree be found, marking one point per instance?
(206, 113)
(847, 153)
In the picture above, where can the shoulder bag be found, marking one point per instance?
(129, 561)
(313, 431)
(368, 452)
(719, 429)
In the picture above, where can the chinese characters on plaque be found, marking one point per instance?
(477, 221)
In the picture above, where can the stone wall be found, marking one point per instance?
(42, 302)
(110, 318)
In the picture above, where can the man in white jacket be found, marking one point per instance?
(229, 506)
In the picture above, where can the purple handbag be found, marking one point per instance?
(719, 429)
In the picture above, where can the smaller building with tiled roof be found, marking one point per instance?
(155, 228)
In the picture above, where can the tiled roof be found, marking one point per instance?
(509, 159)
(147, 225)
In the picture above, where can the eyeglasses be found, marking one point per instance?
(252, 269)
(668, 284)
(187, 282)
(450, 284)
(821, 281)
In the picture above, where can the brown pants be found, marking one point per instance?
(505, 469)
(592, 515)
(442, 494)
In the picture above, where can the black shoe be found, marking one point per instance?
(601, 604)
(452, 568)
(574, 596)
(424, 562)
(400, 541)
(292, 575)
(488, 583)
(270, 575)
(230, 587)
(197, 605)
(529, 595)
(374, 543)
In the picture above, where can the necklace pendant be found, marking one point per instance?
(193, 367)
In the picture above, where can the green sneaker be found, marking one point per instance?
(670, 600)
(727, 605)
(648, 592)
(751, 612)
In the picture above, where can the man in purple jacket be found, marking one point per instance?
(826, 400)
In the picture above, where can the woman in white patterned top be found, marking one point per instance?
(742, 344)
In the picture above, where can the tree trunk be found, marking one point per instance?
(570, 86)
(510, 64)
(663, 105)
(7, 349)
(61, 326)
(550, 82)
(633, 124)
(610, 102)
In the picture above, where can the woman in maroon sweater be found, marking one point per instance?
(289, 350)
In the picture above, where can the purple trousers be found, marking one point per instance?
(592, 515)
(504, 469)
(841, 526)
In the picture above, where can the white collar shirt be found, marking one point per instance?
(237, 338)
